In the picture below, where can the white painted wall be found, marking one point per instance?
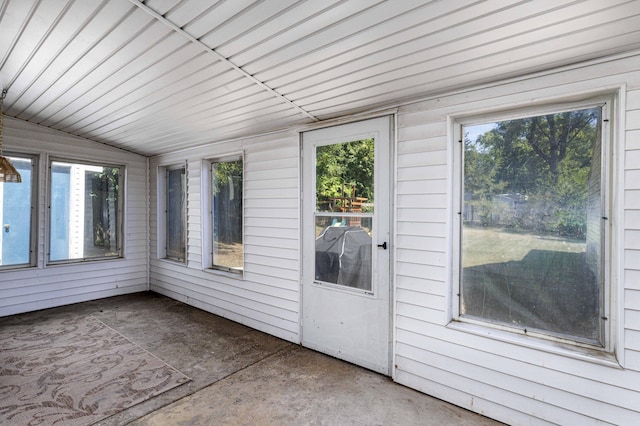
(515, 379)
(40, 287)
(266, 296)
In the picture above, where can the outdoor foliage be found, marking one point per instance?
(343, 165)
(104, 197)
(534, 187)
(227, 201)
(533, 173)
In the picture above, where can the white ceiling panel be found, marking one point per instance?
(446, 61)
(157, 75)
(290, 18)
(190, 95)
(217, 16)
(182, 13)
(192, 112)
(419, 42)
(362, 27)
(248, 21)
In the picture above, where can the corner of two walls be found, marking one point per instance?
(45, 286)
(266, 296)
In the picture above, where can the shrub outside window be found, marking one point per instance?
(17, 214)
(533, 218)
(175, 214)
(85, 212)
(227, 214)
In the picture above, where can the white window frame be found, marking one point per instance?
(546, 342)
(207, 225)
(162, 212)
(33, 223)
(119, 225)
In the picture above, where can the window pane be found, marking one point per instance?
(15, 215)
(531, 236)
(343, 251)
(176, 214)
(344, 177)
(85, 211)
(227, 214)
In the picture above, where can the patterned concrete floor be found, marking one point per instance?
(241, 376)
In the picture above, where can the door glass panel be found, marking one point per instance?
(344, 177)
(343, 252)
(344, 213)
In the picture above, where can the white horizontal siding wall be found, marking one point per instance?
(631, 203)
(266, 296)
(514, 383)
(40, 287)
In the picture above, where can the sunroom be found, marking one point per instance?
(444, 192)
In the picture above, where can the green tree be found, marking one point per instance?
(480, 167)
(546, 159)
(227, 201)
(104, 205)
(343, 165)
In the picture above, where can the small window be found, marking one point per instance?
(17, 215)
(227, 214)
(533, 215)
(85, 212)
(175, 214)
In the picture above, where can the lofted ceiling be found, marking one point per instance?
(159, 75)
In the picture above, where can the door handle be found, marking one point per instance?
(383, 245)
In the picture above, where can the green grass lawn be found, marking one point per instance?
(495, 245)
(530, 281)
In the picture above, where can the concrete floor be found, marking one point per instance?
(241, 376)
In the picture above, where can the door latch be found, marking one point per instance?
(383, 245)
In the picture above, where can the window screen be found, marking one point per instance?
(532, 234)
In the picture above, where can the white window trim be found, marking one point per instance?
(207, 230)
(162, 211)
(605, 355)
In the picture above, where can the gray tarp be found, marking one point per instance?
(343, 256)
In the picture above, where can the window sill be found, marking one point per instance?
(173, 261)
(20, 267)
(582, 353)
(239, 275)
(68, 262)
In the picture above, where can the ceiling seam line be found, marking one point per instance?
(219, 57)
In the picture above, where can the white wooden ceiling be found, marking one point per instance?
(158, 75)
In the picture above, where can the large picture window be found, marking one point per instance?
(175, 213)
(85, 211)
(17, 215)
(533, 217)
(227, 214)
